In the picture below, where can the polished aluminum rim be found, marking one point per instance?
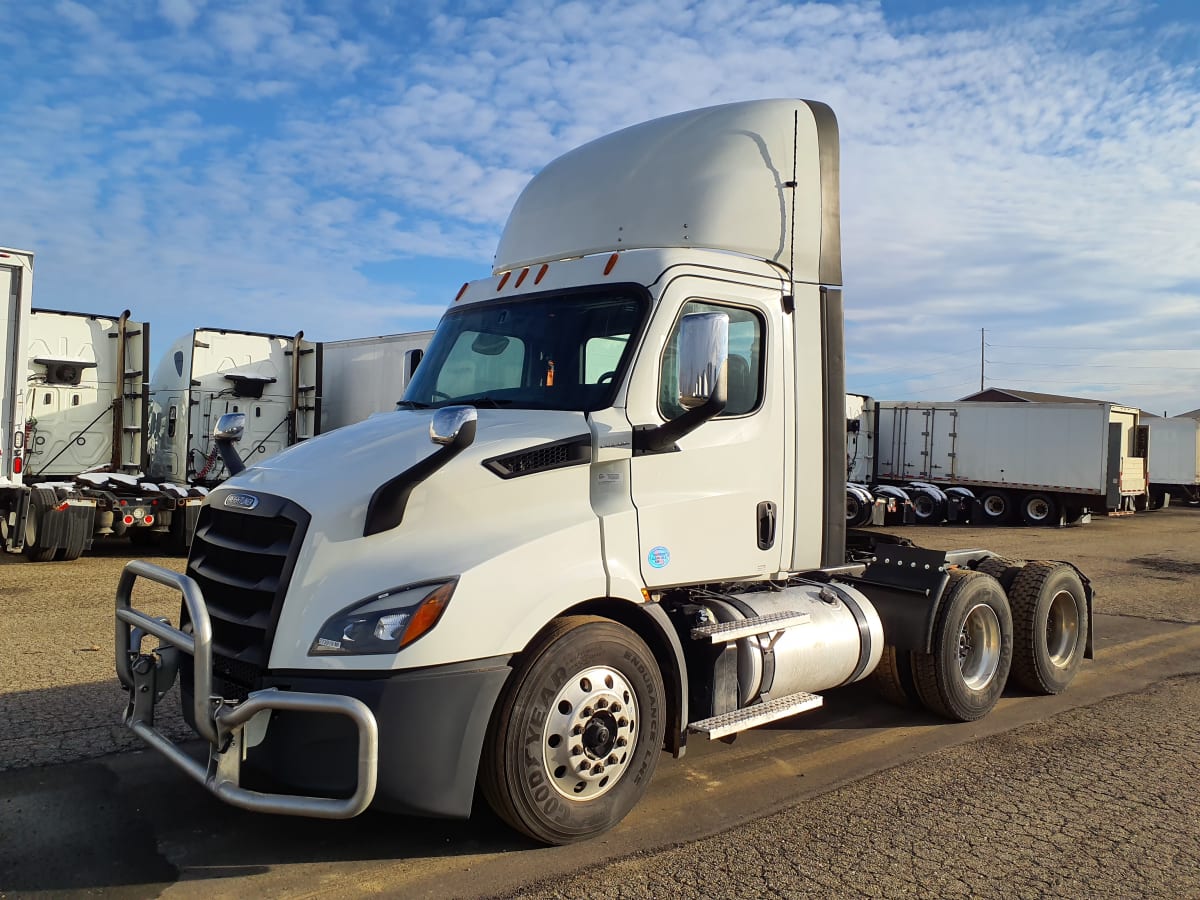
(588, 738)
(979, 647)
(1062, 628)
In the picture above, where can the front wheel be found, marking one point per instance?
(575, 739)
(963, 677)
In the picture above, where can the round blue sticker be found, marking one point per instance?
(659, 557)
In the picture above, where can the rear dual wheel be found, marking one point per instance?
(1050, 626)
(963, 677)
(575, 739)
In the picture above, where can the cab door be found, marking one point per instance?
(713, 509)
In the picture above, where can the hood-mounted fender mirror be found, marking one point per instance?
(453, 425)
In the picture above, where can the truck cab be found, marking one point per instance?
(608, 514)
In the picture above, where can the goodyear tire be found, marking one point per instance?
(1050, 626)
(893, 678)
(575, 738)
(963, 677)
(1003, 569)
(41, 504)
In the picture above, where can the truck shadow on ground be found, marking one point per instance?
(129, 823)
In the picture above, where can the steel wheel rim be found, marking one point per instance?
(994, 505)
(588, 738)
(1062, 628)
(979, 646)
(1038, 509)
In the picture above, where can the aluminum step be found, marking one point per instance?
(721, 632)
(759, 714)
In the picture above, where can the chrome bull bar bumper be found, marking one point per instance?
(230, 727)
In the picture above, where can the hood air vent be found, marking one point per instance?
(575, 451)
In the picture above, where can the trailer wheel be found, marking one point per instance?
(1038, 509)
(893, 678)
(1050, 626)
(1003, 569)
(41, 503)
(963, 677)
(996, 506)
(575, 738)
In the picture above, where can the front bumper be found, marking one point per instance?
(303, 744)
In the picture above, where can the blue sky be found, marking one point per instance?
(342, 166)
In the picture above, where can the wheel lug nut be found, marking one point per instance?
(577, 730)
(616, 707)
(583, 766)
(612, 760)
(597, 769)
(577, 750)
(601, 703)
(587, 712)
(621, 742)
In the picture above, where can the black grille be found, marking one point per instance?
(243, 560)
(571, 452)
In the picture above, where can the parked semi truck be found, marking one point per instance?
(1174, 460)
(364, 376)
(272, 378)
(1041, 463)
(609, 516)
(77, 414)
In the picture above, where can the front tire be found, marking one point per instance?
(963, 677)
(575, 739)
(1050, 626)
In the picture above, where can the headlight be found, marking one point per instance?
(384, 622)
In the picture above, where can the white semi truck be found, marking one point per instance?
(272, 378)
(74, 414)
(608, 516)
(1041, 463)
(1174, 460)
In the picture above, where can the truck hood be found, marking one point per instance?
(342, 469)
(496, 536)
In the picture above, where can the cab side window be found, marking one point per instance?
(746, 330)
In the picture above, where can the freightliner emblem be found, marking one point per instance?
(241, 501)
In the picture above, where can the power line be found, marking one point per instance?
(1061, 348)
(1001, 362)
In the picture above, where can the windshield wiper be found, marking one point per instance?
(481, 400)
(412, 404)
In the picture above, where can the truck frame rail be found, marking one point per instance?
(229, 727)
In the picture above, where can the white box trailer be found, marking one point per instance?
(364, 376)
(16, 291)
(1174, 459)
(272, 378)
(1039, 461)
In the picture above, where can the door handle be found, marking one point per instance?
(766, 525)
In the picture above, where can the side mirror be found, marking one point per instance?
(703, 372)
(453, 425)
(703, 352)
(230, 427)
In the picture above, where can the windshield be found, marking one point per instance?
(559, 351)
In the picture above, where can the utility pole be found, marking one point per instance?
(981, 359)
